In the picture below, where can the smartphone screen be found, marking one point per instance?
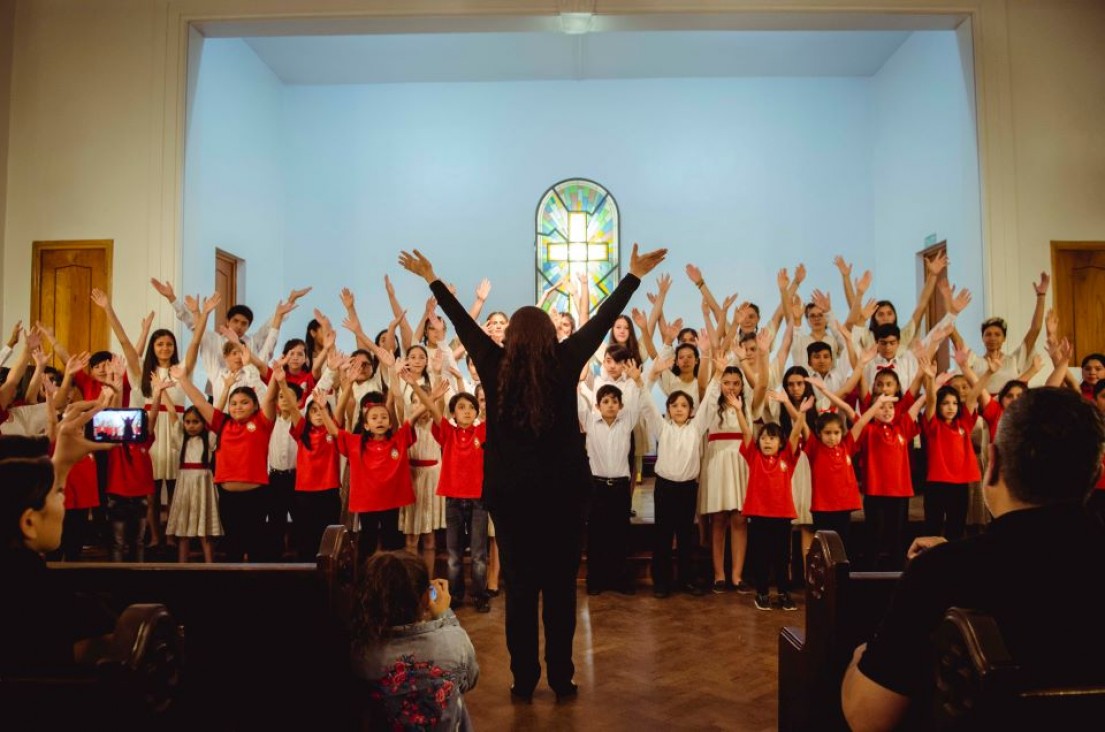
(117, 426)
(433, 594)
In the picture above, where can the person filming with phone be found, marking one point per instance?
(1036, 564)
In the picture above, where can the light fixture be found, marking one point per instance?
(576, 24)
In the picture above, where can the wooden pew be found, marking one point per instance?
(134, 682)
(264, 644)
(979, 684)
(842, 610)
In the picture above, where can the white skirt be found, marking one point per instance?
(723, 482)
(195, 507)
(427, 513)
(802, 491)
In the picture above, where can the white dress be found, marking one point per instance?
(723, 482)
(195, 508)
(427, 513)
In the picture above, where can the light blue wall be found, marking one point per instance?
(740, 176)
(234, 193)
(925, 170)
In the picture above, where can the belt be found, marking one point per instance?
(423, 463)
(724, 436)
(609, 481)
(194, 466)
(282, 472)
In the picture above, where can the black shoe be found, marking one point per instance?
(492, 593)
(785, 603)
(483, 605)
(762, 602)
(521, 695)
(566, 693)
(720, 588)
(660, 592)
(692, 589)
(744, 588)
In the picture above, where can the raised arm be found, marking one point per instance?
(482, 291)
(31, 342)
(1060, 353)
(268, 402)
(799, 427)
(430, 401)
(1038, 313)
(695, 275)
(845, 270)
(134, 361)
(857, 428)
(406, 337)
(182, 377)
(933, 268)
(839, 403)
(47, 333)
(646, 335)
(200, 319)
(34, 386)
(656, 315)
(979, 388)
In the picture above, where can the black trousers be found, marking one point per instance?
(379, 527)
(675, 507)
(1095, 504)
(243, 515)
(540, 560)
(769, 552)
(838, 521)
(887, 518)
(312, 512)
(946, 510)
(281, 491)
(607, 532)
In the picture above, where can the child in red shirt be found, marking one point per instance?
(835, 489)
(379, 467)
(316, 502)
(769, 504)
(952, 464)
(884, 437)
(461, 482)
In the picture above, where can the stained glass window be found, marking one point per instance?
(577, 234)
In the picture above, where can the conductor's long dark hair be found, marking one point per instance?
(525, 372)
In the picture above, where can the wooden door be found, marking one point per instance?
(937, 309)
(1079, 280)
(226, 283)
(63, 274)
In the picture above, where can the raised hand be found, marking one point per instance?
(641, 264)
(862, 283)
(869, 308)
(390, 288)
(782, 279)
(284, 307)
(777, 396)
(734, 401)
(158, 383)
(277, 372)
(76, 363)
(806, 404)
(728, 302)
(632, 370)
(640, 319)
(821, 300)
(867, 355)
(164, 289)
(39, 358)
(13, 339)
(228, 333)
(663, 282)
(1051, 323)
(1060, 352)
(191, 304)
(296, 294)
(483, 289)
(176, 372)
(416, 262)
(797, 309)
(100, 298)
(995, 362)
(1041, 288)
(147, 321)
(720, 361)
(959, 300)
(885, 399)
(937, 264)
(212, 302)
(842, 266)
(662, 364)
(694, 273)
(348, 300)
(799, 274)
(816, 383)
(962, 357)
(763, 341)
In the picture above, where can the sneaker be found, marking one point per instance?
(483, 605)
(785, 603)
(744, 588)
(719, 587)
(763, 602)
(692, 589)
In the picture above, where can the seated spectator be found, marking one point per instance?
(41, 627)
(1038, 560)
(409, 646)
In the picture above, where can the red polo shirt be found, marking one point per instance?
(379, 470)
(886, 456)
(951, 457)
(992, 414)
(90, 388)
(769, 482)
(461, 459)
(81, 489)
(316, 467)
(243, 454)
(833, 477)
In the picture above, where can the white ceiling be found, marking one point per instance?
(525, 56)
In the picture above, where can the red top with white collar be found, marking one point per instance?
(379, 470)
(316, 467)
(461, 459)
(130, 469)
(769, 482)
(833, 476)
(951, 456)
(886, 452)
(243, 452)
(992, 414)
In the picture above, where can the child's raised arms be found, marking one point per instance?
(200, 316)
(736, 402)
(838, 402)
(430, 402)
(181, 376)
(102, 301)
(857, 428)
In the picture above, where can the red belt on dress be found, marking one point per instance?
(193, 466)
(724, 436)
(423, 463)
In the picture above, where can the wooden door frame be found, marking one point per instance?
(38, 247)
(1060, 293)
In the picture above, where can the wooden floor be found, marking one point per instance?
(701, 663)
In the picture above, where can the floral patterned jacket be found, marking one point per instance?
(419, 675)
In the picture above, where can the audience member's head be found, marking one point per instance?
(31, 512)
(1048, 447)
(392, 591)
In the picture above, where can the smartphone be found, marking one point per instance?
(433, 594)
(118, 426)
